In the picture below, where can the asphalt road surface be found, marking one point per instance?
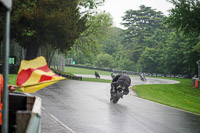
(84, 107)
(136, 80)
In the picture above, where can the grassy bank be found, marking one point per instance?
(96, 80)
(12, 79)
(181, 95)
(76, 70)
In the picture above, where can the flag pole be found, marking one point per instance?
(6, 72)
(44, 82)
(8, 5)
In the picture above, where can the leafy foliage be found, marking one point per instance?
(104, 60)
(148, 60)
(111, 43)
(87, 44)
(46, 22)
(141, 25)
(185, 16)
(90, 4)
(148, 45)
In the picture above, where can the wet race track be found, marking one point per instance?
(84, 107)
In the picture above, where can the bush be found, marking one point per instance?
(104, 61)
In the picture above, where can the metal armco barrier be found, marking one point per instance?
(68, 76)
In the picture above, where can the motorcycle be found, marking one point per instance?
(117, 93)
(142, 78)
(97, 74)
(112, 75)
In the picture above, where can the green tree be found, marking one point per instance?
(179, 57)
(148, 60)
(141, 25)
(142, 22)
(89, 5)
(87, 45)
(185, 16)
(104, 61)
(110, 45)
(46, 22)
(126, 64)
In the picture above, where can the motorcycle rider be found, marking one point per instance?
(122, 80)
(142, 77)
(112, 75)
(96, 74)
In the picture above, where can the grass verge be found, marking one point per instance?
(12, 79)
(76, 70)
(73, 70)
(180, 95)
(96, 80)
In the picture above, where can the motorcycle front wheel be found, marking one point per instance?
(115, 98)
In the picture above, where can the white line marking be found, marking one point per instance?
(58, 121)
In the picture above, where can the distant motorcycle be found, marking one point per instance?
(117, 94)
(97, 74)
(112, 75)
(142, 77)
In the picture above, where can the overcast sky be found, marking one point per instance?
(117, 8)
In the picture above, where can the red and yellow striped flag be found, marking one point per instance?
(35, 74)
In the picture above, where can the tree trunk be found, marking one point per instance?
(51, 57)
(32, 51)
